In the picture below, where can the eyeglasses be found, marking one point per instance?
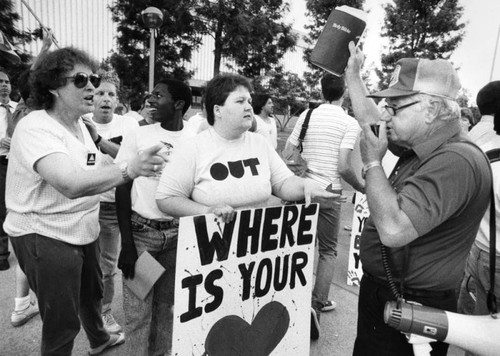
(81, 79)
(392, 109)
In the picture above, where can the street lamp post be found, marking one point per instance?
(152, 18)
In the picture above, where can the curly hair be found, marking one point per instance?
(49, 75)
(219, 88)
(109, 77)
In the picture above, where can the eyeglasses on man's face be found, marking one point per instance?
(81, 79)
(393, 109)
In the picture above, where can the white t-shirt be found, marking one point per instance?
(33, 205)
(211, 170)
(199, 122)
(267, 129)
(144, 188)
(118, 126)
(483, 235)
(135, 115)
(483, 131)
(329, 130)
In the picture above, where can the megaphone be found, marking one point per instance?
(477, 334)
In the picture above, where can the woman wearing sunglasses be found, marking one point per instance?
(52, 201)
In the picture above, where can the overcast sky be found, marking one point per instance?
(473, 57)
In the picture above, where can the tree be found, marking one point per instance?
(319, 11)
(289, 93)
(425, 29)
(8, 19)
(178, 36)
(249, 32)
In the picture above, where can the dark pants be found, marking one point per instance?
(67, 281)
(374, 337)
(4, 239)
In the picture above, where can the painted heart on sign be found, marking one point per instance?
(233, 336)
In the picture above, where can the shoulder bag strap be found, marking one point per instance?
(493, 156)
(304, 129)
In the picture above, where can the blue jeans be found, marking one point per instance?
(4, 239)
(109, 243)
(148, 322)
(478, 267)
(67, 281)
(328, 231)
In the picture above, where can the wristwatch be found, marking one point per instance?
(124, 169)
(369, 166)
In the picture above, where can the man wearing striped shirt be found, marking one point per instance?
(327, 147)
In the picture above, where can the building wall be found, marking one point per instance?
(87, 24)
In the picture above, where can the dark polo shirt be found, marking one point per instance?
(443, 187)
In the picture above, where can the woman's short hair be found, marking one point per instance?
(50, 73)
(219, 88)
(259, 100)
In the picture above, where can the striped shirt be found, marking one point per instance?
(329, 130)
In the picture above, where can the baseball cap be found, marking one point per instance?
(428, 76)
(488, 98)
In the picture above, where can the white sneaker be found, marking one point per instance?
(21, 317)
(327, 306)
(114, 340)
(110, 324)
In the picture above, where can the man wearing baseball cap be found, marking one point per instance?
(427, 212)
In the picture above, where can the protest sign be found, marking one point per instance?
(245, 286)
(359, 217)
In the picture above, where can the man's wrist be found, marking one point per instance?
(369, 166)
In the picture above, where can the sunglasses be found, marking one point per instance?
(81, 80)
(392, 109)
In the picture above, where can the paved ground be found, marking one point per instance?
(338, 326)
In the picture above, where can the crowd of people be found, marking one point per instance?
(85, 191)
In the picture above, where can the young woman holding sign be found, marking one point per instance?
(226, 167)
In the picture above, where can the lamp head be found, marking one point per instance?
(152, 17)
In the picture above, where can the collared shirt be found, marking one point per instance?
(443, 188)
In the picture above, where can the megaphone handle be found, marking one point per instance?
(422, 349)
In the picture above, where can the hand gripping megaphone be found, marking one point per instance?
(478, 334)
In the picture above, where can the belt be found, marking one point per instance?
(410, 292)
(155, 224)
(4, 160)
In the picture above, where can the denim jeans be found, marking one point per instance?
(148, 322)
(4, 239)
(67, 281)
(109, 243)
(478, 266)
(328, 231)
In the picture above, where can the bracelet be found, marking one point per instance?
(369, 166)
(99, 138)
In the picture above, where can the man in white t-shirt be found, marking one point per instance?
(7, 107)
(329, 141)
(264, 122)
(477, 267)
(144, 228)
(107, 130)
